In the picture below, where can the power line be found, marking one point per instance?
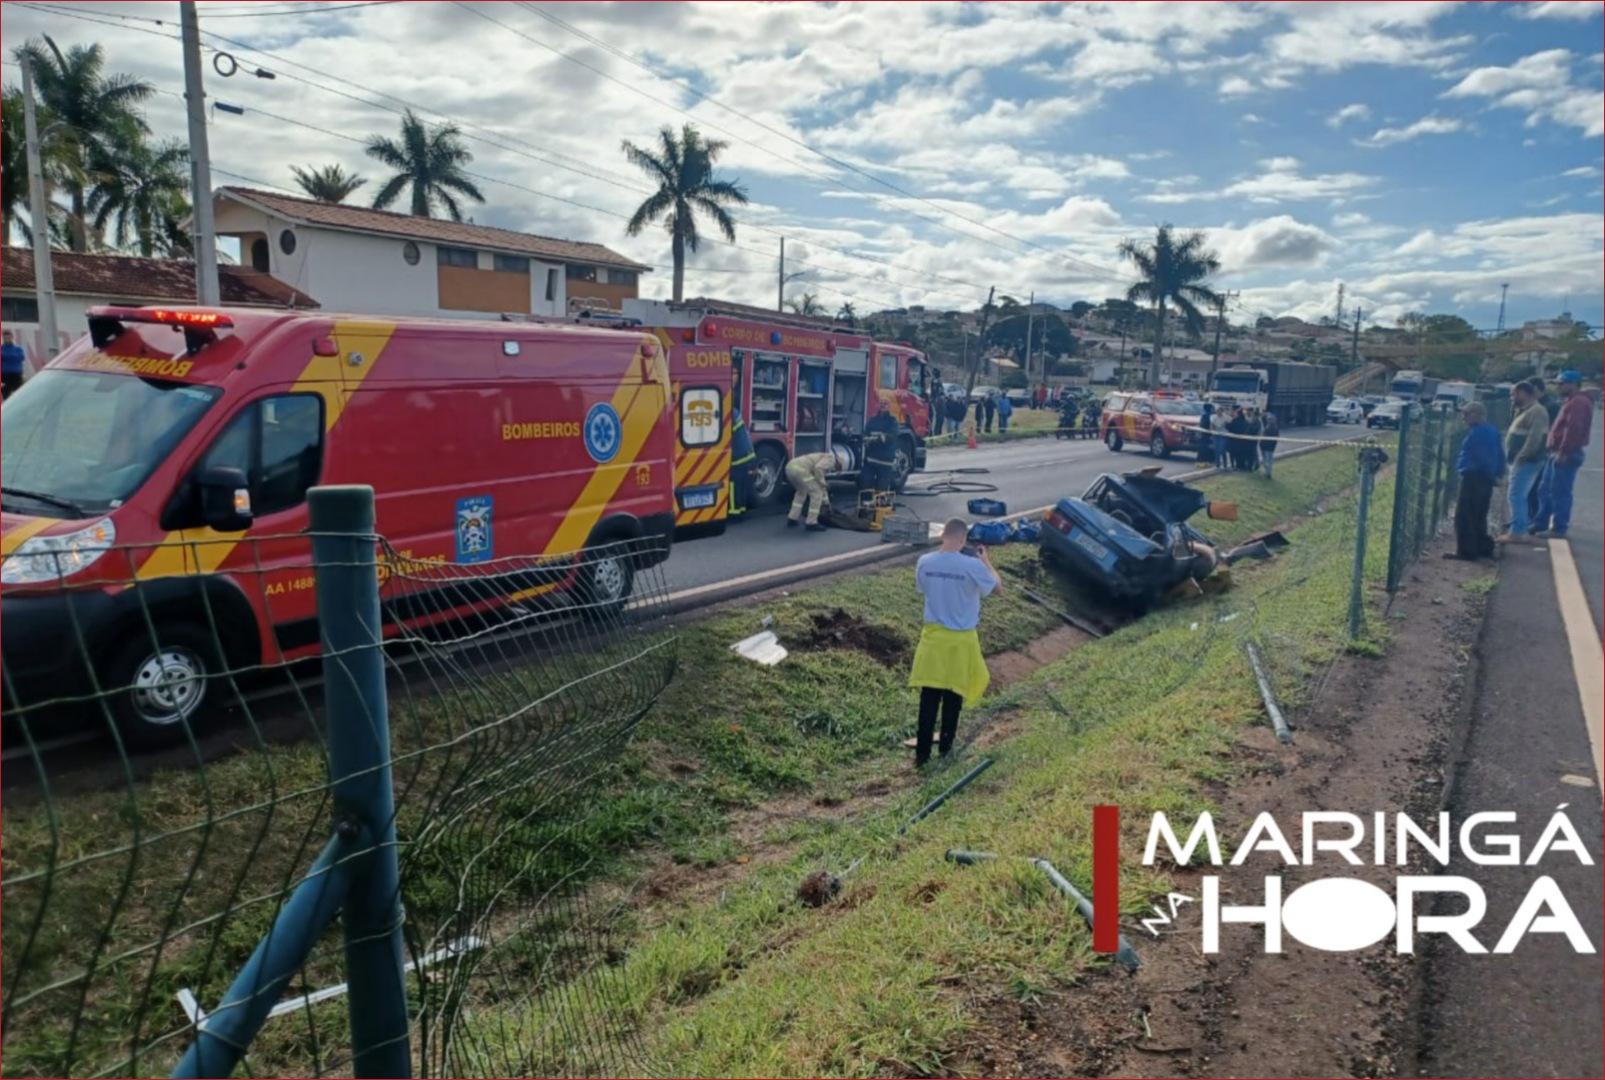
(300, 9)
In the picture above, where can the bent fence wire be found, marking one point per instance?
(138, 878)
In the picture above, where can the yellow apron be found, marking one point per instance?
(950, 660)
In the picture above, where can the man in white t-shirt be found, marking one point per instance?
(948, 666)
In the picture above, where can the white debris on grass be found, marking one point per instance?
(761, 648)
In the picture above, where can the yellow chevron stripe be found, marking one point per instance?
(639, 403)
(26, 531)
(689, 461)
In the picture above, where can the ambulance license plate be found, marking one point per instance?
(697, 500)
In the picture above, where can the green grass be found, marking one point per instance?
(750, 983)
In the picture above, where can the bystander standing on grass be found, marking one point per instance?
(948, 666)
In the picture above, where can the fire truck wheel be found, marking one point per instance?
(1113, 440)
(903, 463)
(1157, 446)
(162, 685)
(767, 473)
(609, 577)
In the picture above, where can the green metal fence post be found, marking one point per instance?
(342, 526)
(1371, 459)
(1429, 461)
(1438, 503)
(1401, 493)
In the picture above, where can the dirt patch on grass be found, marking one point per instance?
(1010, 667)
(836, 629)
(1374, 739)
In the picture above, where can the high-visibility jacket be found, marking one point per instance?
(741, 451)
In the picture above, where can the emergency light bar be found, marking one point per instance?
(200, 327)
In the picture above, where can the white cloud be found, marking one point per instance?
(1273, 242)
(1356, 111)
(1582, 170)
(1427, 125)
(1281, 181)
(1558, 9)
(1252, 118)
(1540, 85)
(1235, 86)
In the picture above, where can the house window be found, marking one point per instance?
(410, 253)
(581, 272)
(888, 373)
(450, 256)
(512, 264)
(621, 277)
(551, 284)
(287, 242)
(19, 309)
(259, 254)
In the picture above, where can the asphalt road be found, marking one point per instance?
(1028, 474)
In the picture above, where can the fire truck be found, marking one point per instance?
(803, 386)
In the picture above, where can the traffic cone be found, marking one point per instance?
(970, 428)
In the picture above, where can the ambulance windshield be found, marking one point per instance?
(84, 441)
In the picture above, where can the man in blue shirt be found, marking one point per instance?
(12, 361)
(948, 666)
(1480, 465)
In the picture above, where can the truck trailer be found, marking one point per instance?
(1413, 386)
(1297, 393)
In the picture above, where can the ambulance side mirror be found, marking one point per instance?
(1223, 511)
(225, 498)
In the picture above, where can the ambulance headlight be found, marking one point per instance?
(49, 558)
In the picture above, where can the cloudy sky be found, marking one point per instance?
(1420, 153)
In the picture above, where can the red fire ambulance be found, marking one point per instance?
(803, 386)
(172, 450)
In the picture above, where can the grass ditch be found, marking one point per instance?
(739, 981)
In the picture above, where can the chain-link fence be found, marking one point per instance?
(1427, 484)
(411, 759)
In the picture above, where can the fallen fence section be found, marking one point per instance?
(1126, 956)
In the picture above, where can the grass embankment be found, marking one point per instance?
(1024, 424)
(752, 983)
(891, 977)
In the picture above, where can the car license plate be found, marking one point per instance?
(1086, 543)
(697, 500)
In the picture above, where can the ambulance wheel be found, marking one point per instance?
(902, 464)
(1158, 447)
(162, 686)
(767, 474)
(1113, 440)
(608, 578)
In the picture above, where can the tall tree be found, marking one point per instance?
(847, 314)
(807, 304)
(1172, 271)
(96, 118)
(330, 184)
(140, 195)
(683, 168)
(13, 165)
(429, 165)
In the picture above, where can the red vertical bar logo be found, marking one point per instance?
(1106, 879)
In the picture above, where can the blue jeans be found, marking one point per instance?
(1555, 498)
(1522, 478)
(1220, 452)
(1003, 421)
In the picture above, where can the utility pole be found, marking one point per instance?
(1354, 344)
(1220, 323)
(200, 162)
(980, 344)
(44, 281)
(1503, 289)
(1030, 313)
(1339, 320)
(780, 297)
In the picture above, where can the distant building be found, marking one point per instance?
(1548, 329)
(357, 259)
(84, 281)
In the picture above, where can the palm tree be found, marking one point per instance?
(141, 194)
(330, 184)
(96, 116)
(807, 304)
(847, 314)
(430, 162)
(13, 167)
(1172, 270)
(683, 169)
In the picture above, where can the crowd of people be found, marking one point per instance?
(1242, 438)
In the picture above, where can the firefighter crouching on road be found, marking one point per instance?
(880, 450)
(743, 460)
(809, 475)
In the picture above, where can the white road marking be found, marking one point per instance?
(1588, 659)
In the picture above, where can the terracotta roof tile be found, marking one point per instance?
(434, 230)
(135, 278)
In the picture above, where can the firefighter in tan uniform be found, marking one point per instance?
(809, 475)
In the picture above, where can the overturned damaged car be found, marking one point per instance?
(1128, 536)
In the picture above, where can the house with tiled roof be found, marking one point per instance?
(357, 259)
(84, 281)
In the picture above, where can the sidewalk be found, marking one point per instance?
(1537, 1011)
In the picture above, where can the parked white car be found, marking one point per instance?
(984, 392)
(1345, 411)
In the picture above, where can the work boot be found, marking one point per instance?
(815, 527)
(792, 523)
